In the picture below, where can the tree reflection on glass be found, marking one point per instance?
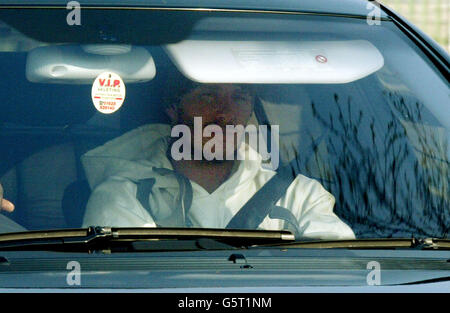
(389, 174)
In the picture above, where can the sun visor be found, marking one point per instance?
(290, 62)
(82, 64)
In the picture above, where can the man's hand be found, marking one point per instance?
(5, 205)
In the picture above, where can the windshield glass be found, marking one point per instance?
(147, 118)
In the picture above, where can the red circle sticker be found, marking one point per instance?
(108, 92)
(321, 59)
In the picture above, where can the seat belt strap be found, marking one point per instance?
(252, 214)
(184, 198)
(284, 214)
(144, 188)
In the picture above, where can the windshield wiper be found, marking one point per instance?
(374, 243)
(140, 239)
(183, 239)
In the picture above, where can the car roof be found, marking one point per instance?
(339, 7)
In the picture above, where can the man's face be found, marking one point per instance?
(220, 104)
(216, 104)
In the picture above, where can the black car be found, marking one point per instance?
(349, 107)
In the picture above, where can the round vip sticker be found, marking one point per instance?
(108, 92)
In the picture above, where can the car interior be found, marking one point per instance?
(45, 128)
(44, 177)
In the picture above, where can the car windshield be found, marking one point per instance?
(179, 118)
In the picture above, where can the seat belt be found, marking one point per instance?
(263, 203)
(184, 199)
(252, 214)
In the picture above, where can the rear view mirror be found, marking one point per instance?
(70, 64)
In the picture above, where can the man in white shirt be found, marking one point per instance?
(196, 193)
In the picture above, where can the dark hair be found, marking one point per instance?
(176, 85)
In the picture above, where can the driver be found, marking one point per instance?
(190, 192)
